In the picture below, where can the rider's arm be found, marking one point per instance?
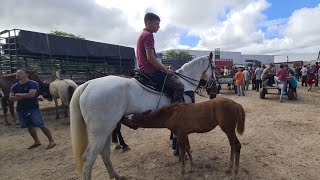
(152, 59)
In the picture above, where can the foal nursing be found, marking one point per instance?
(183, 119)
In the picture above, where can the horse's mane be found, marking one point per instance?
(191, 64)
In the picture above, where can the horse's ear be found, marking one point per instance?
(147, 112)
(210, 56)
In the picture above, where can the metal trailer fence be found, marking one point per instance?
(14, 56)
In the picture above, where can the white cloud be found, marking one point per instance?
(227, 24)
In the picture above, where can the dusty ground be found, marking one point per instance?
(281, 141)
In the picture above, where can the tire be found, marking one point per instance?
(263, 93)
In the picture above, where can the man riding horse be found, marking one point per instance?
(149, 64)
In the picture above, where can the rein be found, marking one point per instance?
(188, 79)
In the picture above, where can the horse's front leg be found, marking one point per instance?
(125, 147)
(56, 105)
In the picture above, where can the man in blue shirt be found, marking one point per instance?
(25, 92)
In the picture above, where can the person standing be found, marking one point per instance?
(258, 73)
(282, 77)
(239, 77)
(293, 83)
(246, 78)
(25, 92)
(310, 77)
(304, 75)
(317, 67)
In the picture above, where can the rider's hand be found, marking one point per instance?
(169, 71)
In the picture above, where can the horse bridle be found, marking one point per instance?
(188, 79)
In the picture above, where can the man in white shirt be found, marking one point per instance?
(246, 75)
(304, 75)
(258, 72)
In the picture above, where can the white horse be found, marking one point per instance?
(63, 89)
(98, 105)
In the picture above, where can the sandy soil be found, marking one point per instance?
(281, 141)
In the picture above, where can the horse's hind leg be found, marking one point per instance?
(94, 147)
(56, 106)
(105, 154)
(65, 107)
(235, 150)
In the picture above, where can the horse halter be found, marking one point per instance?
(186, 78)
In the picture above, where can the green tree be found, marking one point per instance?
(177, 55)
(65, 34)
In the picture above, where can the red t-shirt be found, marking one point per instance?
(282, 74)
(145, 41)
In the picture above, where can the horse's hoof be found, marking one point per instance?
(118, 147)
(127, 148)
(118, 178)
(228, 171)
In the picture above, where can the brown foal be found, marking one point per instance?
(185, 118)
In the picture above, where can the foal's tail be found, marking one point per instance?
(241, 120)
(79, 136)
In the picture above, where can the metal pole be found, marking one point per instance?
(15, 47)
(9, 48)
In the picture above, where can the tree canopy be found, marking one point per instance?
(65, 34)
(177, 55)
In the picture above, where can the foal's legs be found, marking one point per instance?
(235, 150)
(182, 146)
(188, 149)
(105, 154)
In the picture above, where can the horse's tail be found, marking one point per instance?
(79, 136)
(71, 90)
(241, 120)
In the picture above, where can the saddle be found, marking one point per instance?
(146, 81)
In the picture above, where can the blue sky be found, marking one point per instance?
(279, 9)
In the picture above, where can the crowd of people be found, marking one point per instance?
(288, 77)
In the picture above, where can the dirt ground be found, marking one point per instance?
(281, 141)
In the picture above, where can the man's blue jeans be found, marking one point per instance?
(283, 89)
